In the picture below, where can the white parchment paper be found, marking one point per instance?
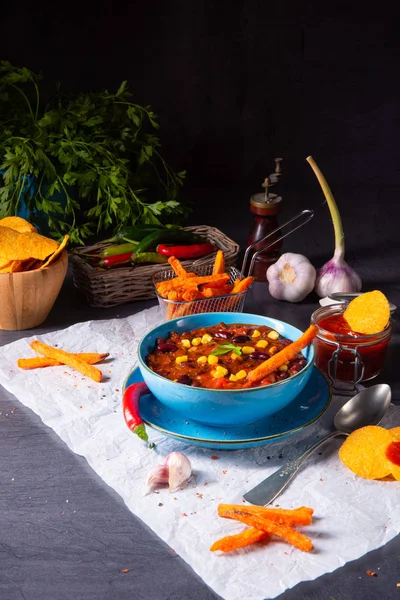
(88, 417)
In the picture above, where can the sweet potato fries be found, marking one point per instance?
(280, 358)
(265, 522)
(188, 287)
(52, 357)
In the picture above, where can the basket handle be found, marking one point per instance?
(307, 214)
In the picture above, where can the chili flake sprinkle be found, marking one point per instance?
(371, 573)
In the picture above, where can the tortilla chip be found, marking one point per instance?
(21, 246)
(368, 313)
(18, 224)
(29, 264)
(363, 452)
(6, 266)
(53, 257)
(16, 266)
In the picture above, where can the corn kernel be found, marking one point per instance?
(186, 343)
(283, 368)
(212, 360)
(235, 356)
(273, 335)
(255, 334)
(206, 338)
(181, 359)
(272, 350)
(232, 377)
(241, 374)
(262, 344)
(247, 350)
(219, 371)
(202, 360)
(196, 341)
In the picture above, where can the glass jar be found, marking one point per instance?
(343, 355)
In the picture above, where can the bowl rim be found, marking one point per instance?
(310, 361)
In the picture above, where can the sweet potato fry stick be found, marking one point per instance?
(38, 362)
(177, 266)
(240, 540)
(242, 284)
(67, 359)
(219, 263)
(296, 516)
(293, 537)
(280, 358)
(172, 284)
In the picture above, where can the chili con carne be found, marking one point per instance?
(220, 356)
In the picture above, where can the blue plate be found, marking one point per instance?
(304, 410)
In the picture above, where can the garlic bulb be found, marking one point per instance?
(335, 275)
(291, 278)
(179, 470)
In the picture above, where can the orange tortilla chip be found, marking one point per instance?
(21, 246)
(5, 266)
(395, 433)
(16, 266)
(368, 313)
(53, 257)
(363, 452)
(18, 224)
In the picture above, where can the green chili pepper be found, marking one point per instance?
(167, 236)
(118, 249)
(148, 257)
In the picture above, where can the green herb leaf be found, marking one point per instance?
(89, 161)
(225, 348)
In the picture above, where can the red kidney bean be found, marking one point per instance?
(295, 368)
(185, 379)
(259, 355)
(223, 335)
(166, 347)
(241, 339)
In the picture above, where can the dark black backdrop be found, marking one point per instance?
(236, 84)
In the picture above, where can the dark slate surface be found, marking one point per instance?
(66, 535)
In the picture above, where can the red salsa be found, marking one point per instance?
(334, 330)
(220, 356)
(393, 453)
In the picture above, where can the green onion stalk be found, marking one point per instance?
(335, 275)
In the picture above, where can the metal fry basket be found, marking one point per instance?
(172, 309)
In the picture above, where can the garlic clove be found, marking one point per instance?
(157, 477)
(179, 469)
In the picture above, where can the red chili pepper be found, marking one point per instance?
(112, 261)
(183, 252)
(130, 409)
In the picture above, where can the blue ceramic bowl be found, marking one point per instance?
(223, 408)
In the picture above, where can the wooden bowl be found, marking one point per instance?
(28, 297)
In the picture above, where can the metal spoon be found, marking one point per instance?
(368, 407)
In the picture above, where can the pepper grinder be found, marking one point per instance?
(265, 207)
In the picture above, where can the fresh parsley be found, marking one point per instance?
(225, 348)
(89, 161)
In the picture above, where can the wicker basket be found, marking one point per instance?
(104, 288)
(172, 309)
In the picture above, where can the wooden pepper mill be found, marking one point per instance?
(265, 207)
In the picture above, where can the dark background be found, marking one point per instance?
(237, 84)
